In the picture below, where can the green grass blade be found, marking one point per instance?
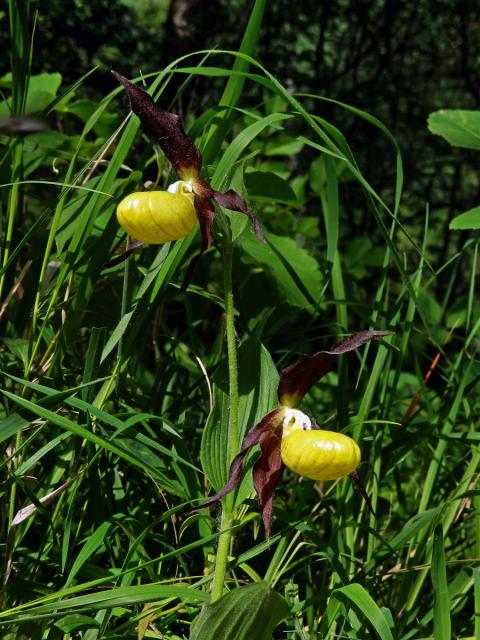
(356, 595)
(441, 605)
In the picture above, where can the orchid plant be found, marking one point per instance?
(290, 438)
(162, 216)
(287, 437)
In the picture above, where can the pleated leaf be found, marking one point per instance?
(246, 613)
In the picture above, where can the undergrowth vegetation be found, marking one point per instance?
(118, 387)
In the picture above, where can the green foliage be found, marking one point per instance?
(115, 413)
(459, 128)
(248, 612)
(468, 220)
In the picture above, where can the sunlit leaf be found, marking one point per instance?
(468, 220)
(246, 613)
(459, 127)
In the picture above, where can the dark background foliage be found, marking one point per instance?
(396, 60)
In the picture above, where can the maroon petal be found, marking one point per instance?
(231, 200)
(267, 473)
(362, 491)
(134, 244)
(202, 188)
(233, 482)
(299, 377)
(269, 423)
(205, 214)
(166, 128)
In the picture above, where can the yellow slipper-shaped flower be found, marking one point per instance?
(315, 453)
(156, 217)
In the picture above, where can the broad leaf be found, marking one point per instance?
(293, 269)
(246, 613)
(266, 185)
(258, 380)
(468, 220)
(459, 127)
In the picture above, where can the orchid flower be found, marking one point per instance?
(161, 216)
(289, 438)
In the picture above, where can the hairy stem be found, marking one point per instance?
(233, 437)
(225, 537)
(221, 557)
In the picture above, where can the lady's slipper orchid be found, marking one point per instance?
(156, 217)
(288, 438)
(157, 210)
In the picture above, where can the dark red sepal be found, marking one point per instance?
(133, 244)
(205, 214)
(299, 377)
(233, 201)
(267, 472)
(202, 188)
(271, 423)
(166, 128)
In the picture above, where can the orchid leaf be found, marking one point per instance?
(252, 611)
(166, 128)
(299, 377)
(269, 424)
(294, 271)
(258, 381)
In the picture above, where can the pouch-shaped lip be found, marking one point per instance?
(156, 217)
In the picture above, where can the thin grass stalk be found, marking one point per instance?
(476, 572)
(20, 54)
(12, 210)
(51, 239)
(431, 478)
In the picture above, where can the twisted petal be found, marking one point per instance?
(132, 245)
(299, 377)
(233, 201)
(363, 492)
(166, 128)
(271, 423)
(205, 214)
(267, 473)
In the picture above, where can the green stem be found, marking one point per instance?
(221, 558)
(233, 438)
(227, 521)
